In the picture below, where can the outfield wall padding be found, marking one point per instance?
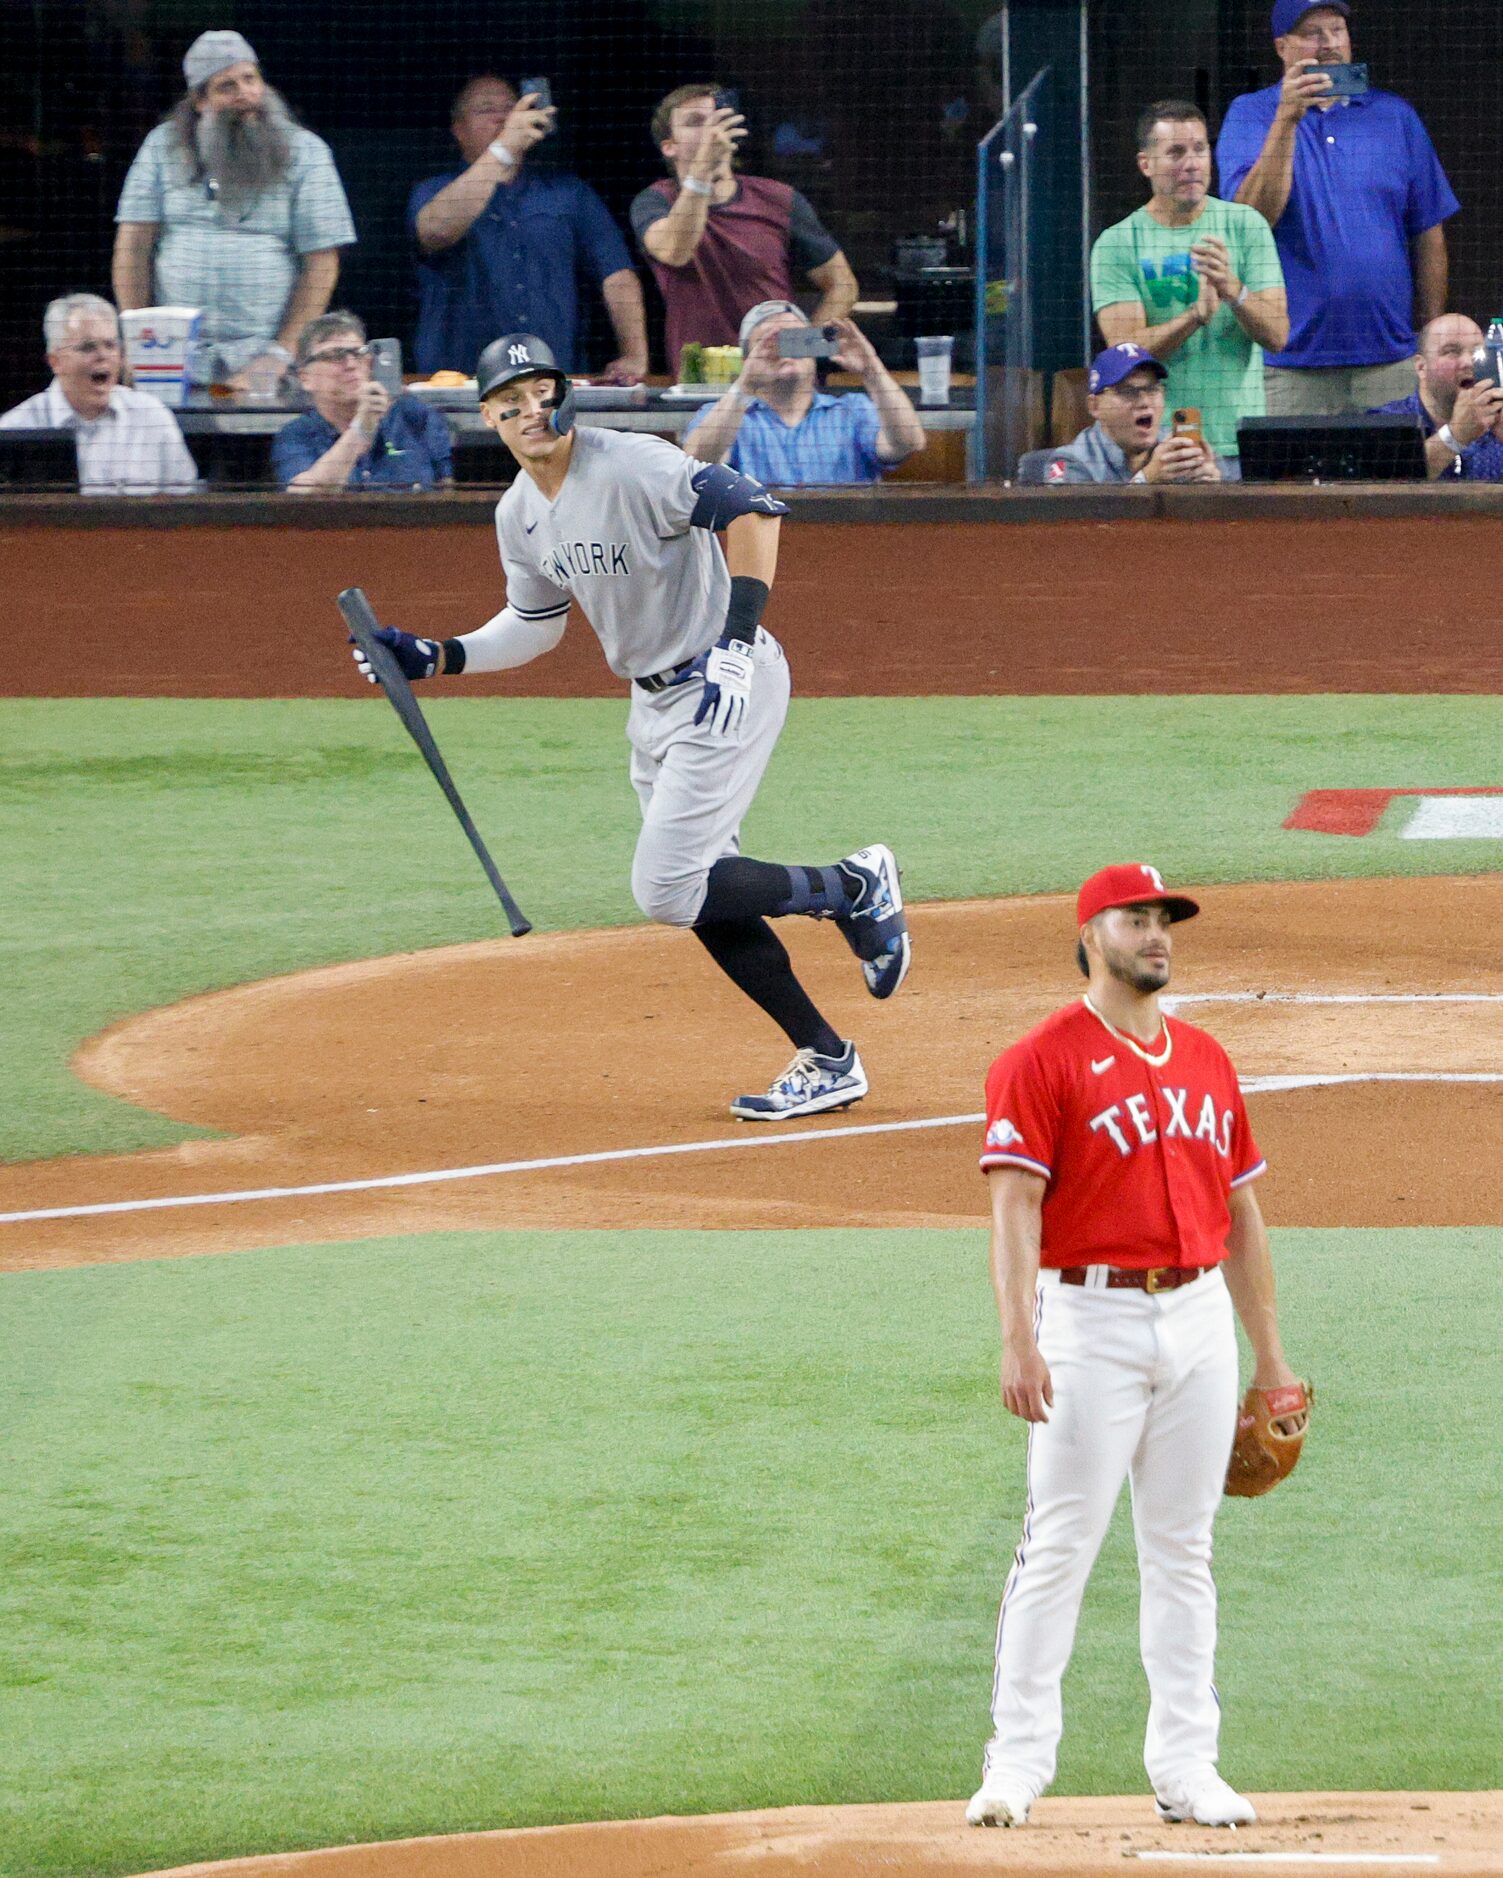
(1250, 592)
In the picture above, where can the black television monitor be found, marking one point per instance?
(38, 459)
(1356, 448)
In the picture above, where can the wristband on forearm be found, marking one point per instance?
(1448, 438)
(696, 188)
(748, 597)
(1241, 299)
(453, 659)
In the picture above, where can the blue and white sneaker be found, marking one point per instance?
(810, 1085)
(876, 928)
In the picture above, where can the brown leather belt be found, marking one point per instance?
(1119, 1277)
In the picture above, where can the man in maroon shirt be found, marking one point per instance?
(719, 242)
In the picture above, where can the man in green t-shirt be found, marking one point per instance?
(1193, 279)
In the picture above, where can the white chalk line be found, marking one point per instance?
(1297, 1858)
(1253, 1085)
(1171, 1001)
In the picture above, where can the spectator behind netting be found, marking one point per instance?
(231, 206)
(1123, 445)
(501, 245)
(720, 243)
(1194, 280)
(128, 442)
(777, 425)
(1462, 416)
(356, 436)
(1356, 196)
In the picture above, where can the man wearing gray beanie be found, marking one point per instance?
(232, 207)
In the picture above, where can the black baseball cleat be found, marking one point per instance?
(876, 927)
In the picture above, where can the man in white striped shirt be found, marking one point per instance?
(128, 442)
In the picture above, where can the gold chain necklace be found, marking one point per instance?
(1156, 1062)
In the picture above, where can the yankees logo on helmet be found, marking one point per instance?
(519, 355)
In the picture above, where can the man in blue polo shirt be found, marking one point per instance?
(1356, 198)
(777, 425)
(501, 245)
(356, 436)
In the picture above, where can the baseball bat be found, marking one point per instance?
(363, 625)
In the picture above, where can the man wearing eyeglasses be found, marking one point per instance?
(128, 442)
(1123, 445)
(356, 436)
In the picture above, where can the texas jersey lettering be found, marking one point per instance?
(1139, 1147)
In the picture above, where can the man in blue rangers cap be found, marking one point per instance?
(1126, 400)
(1356, 198)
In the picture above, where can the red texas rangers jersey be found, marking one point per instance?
(1139, 1146)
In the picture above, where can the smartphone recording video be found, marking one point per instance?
(808, 342)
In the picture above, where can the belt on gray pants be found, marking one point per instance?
(676, 674)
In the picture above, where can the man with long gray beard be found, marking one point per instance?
(231, 206)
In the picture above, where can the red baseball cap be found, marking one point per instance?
(1130, 885)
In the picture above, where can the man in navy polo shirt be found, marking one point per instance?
(1356, 198)
(356, 436)
(1460, 416)
(501, 246)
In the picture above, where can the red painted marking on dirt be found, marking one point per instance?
(1358, 811)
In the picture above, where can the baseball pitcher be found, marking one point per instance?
(1125, 1229)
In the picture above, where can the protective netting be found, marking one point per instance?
(862, 125)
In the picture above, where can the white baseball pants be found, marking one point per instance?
(695, 784)
(1145, 1389)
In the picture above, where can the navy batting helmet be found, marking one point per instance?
(524, 355)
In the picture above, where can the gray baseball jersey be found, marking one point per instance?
(617, 539)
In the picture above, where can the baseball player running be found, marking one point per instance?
(1124, 1230)
(625, 525)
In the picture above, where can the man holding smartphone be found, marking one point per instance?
(1123, 443)
(1460, 412)
(1349, 182)
(720, 241)
(777, 425)
(501, 245)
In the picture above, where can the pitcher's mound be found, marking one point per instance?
(1455, 1834)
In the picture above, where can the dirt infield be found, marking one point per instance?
(1456, 1835)
(576, 1045)
(1331, 603)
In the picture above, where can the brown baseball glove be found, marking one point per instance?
(1271, 1427)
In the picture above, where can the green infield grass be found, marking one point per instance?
(350, 1542)
(155, 848)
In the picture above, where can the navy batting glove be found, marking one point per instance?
(417, 658)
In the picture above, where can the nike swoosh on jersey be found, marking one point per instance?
(529, 528)
(1100, 1068)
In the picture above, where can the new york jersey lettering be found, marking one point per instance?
(571, 560)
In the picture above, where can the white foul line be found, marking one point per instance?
(1253, 1085)
(433, 1178)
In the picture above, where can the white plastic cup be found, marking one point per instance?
(159, 342)
(263, 377)
(934, 350)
